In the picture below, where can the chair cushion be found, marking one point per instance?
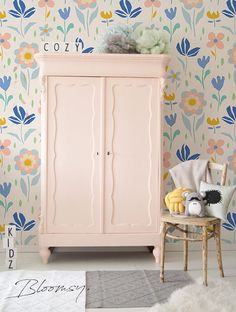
(218, 199)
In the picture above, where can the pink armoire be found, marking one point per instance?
(101, 150)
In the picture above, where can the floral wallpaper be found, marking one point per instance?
(199, 100)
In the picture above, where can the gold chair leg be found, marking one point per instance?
(162, 259)
(217, 230)
(185, 249)
(204, 254)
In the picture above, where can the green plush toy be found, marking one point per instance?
(152, 41)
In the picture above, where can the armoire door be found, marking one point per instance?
(73, 162)
(132, 155)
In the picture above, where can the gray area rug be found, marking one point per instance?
(131, 289)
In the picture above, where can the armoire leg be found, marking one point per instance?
(156, 253)
(45, 254)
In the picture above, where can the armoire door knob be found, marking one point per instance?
(108, 153)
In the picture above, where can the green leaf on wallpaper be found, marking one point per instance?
(80, 16)
(187, 123)
(15, 29)
(28, 133)
(20, 202)
(28, 26)
(1, 203)
(8, 61)
(166, 134)
(166, 28)
(223, 98)
(187, 17)
(35, 73)
(60, 29)
(15, 136)
(69, 27)
(198, 79)
(200, 122)
(176, 133)
(177, 26)
(29, 239)
(214, 97)
(23, 80)
(200, 15)
(10, 97)
(222, 61)
(2, 97)
(9, 205)
(207, 73)
(8, 168)
(35, 179)
(23, 186)
(93, 15)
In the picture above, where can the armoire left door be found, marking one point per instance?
(73, 154)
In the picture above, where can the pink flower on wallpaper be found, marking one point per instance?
(192, 102)
(25, 55)
(154, 3)
(232, 161)
(27, 162)
(83, 4)
(215, 147)
(4, 40)
(43, 3)
(190, 4)
(4, 150)
(166, 159)
(215, 40)
(232, 55)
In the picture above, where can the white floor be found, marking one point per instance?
(124, 261)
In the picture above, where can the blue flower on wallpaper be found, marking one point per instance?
(171, 13)
(231, 225)
(184, 154)
(81, 44)
(127, 10)
(202, 62)
(21, 117)
(65, 13)
(5, 82)
(218, 82)
(231, 118)
(231, 12)
(20, 222)
(21, 12)
(5, 189)
(171, 120)
(184, 48)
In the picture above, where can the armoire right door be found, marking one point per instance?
(132, 136)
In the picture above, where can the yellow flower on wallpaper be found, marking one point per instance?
(3, 121)
(2, 228)
(213, 15)
(3, 15)
(213, 121)
(169, 97)
(106, 14)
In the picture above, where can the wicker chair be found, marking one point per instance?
(209, 226)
